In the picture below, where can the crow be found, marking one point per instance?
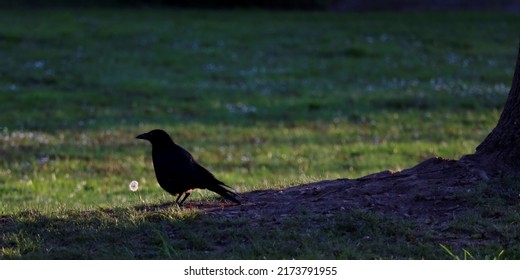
(177, 172)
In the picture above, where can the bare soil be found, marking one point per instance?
(432, 192)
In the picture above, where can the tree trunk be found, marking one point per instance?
(500, 151)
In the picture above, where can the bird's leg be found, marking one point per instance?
(177, 200)
(186, 194)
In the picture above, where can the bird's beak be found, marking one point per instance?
(142, 136)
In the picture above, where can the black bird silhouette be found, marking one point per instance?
(177, 172)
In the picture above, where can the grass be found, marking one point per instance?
(264, 99)
(129, 234)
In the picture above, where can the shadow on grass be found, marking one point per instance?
(163, 232)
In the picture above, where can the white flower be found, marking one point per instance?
(134, 186)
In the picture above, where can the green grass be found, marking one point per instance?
(264, 99)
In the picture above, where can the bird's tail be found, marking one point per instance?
(225, 191)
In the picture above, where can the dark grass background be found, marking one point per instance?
(323, 5)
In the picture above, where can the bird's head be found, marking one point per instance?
(156, 137)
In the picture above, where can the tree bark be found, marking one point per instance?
(501, 148)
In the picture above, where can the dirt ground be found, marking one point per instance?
(431, 193)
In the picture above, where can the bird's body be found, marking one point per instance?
(177, 171)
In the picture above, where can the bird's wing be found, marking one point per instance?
(208, 181)
(207, 178)
(173, 166)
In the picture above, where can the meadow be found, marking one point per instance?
(264, 99)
